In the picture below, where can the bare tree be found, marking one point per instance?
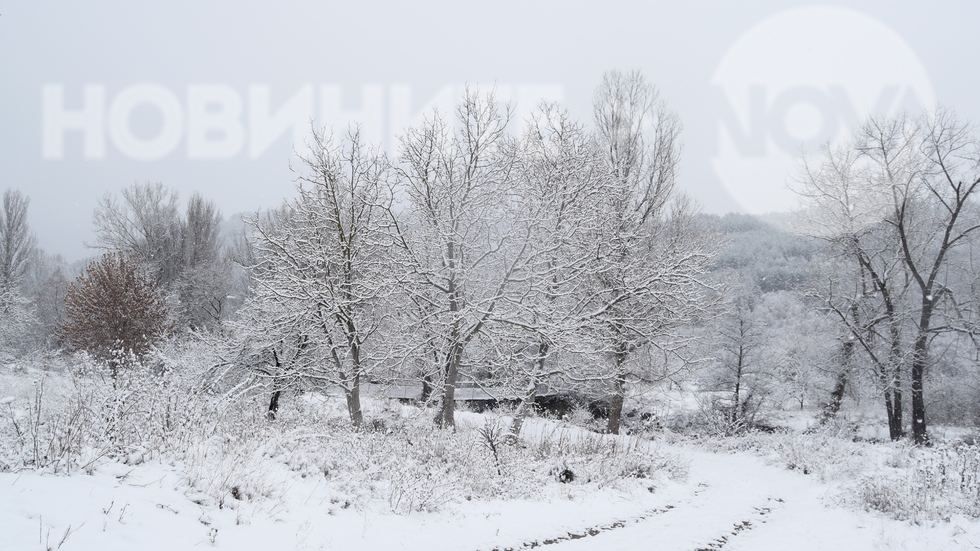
(558, 176)
(200, 242)
(869, 296)
(741, 344)
(900, 198)
(460, 242)
(146, 224)
(326, 264)
(932, 214)
(203, 281)
(49, 303)
(652, 254)
(17, 241)
(263, 341)
(40, 293)
(182, 252)
(18, 254)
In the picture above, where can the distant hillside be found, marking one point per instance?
(767, 257)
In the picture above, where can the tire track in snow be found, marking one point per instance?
(728, 503)
(758, 515)
(602, 528)
(588, 532)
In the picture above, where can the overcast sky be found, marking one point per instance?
(201, 95)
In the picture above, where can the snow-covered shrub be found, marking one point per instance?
(820, 454)
(46, 429)
(80, 415)
(637, 421)
(938, 483)
(601, 459)
(580, 416)
(713, 419)
(889, 496)
(226, 450)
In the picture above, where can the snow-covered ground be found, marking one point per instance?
(226, 477)
(729, 500)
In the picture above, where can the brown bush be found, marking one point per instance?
(113, 308)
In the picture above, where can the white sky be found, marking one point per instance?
(708, 58)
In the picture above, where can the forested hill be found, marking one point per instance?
(765, 256)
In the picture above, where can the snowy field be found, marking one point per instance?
(231, 479)
(729, 501)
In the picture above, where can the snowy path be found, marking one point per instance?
(731, 502)
(742, 504)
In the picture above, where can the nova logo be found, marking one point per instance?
(800, 79)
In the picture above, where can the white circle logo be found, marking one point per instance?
(799, 79)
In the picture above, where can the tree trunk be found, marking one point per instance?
(274, 405)
(893, 407)
(836, 396)
(896, 430)
(427, 388)
(619, 396)
(353, 396)
(840, 382)
(446, 417)
(737, 405)
(919, 359)
(919, 434)
(454, 354)
(527, 402)
(615, 412)
(276, 389)
(353, 393)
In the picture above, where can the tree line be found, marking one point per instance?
(563, 257)
(474, 255)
